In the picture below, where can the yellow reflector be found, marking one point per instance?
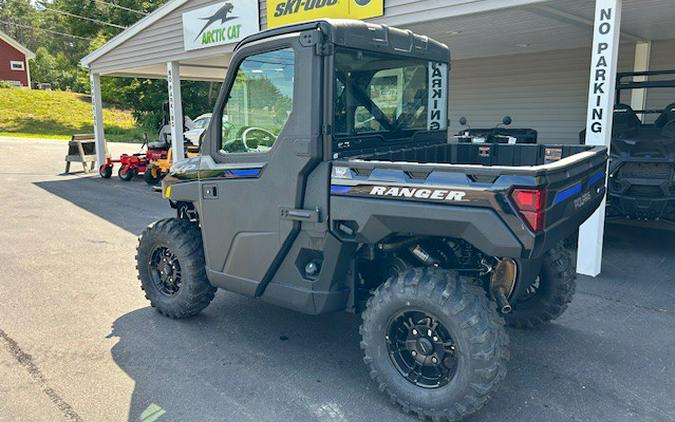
(167, 192)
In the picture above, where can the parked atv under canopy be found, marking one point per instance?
(642, 162)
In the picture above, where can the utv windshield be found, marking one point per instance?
(389, 96)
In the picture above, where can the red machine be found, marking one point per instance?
(134, 164)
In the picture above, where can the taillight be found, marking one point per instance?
(531, 204)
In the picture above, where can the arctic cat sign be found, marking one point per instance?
(285, 12)
(221, 23)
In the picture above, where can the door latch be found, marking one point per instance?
(209, 191)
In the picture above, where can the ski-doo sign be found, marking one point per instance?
(221, 23)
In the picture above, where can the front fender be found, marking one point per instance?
(182, 184)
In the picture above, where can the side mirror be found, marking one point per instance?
(507, 120)
(462, 121)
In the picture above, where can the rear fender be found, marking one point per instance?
(371, 220)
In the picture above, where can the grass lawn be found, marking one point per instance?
(58, 115)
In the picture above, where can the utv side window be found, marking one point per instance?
(259, 103)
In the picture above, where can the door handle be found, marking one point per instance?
(310, 216)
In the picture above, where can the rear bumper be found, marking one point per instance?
(641, 188)
(640, 208)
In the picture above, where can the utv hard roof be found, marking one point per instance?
(365, 36)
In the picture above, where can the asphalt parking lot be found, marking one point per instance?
(79, 342)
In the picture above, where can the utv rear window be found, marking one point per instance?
(389, 96)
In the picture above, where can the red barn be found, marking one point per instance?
(14, 67)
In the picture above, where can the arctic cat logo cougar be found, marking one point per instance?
(438, 194)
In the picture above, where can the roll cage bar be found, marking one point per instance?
(631, 84)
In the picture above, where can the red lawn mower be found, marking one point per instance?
(135, 164)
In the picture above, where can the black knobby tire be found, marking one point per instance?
(150, 179)
(127, 174)
(469, 317)
(184, 241)
(105, 172)
(550, 294)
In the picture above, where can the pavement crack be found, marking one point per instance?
(26, 361)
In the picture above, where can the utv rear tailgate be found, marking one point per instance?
(569, 190)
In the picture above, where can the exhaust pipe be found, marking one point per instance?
(502, 302)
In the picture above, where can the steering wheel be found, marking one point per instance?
(257, 139)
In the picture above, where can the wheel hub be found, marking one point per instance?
(425, 346)
(165, 271)
(421, 349)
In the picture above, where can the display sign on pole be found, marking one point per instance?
(604, 57)
(220, 23)
(286, 12)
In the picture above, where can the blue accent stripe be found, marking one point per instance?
(597, 177)
(245, 172)
(567, 193)
(340, 189)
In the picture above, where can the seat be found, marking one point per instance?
(625, 122)
(159, 145)
(666, 116)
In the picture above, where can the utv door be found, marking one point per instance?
(263, 140)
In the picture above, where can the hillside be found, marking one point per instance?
(57, 114)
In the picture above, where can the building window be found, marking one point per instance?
(16, 65)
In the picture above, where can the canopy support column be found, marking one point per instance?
(97, 106)
(638, 97)
(175, 110)
(604, 55)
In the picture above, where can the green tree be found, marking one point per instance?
(58, 56)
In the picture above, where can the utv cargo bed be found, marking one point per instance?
(479, 185)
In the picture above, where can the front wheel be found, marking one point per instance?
(171, 268)
(434, 342)
(151, 178)
(548, 296)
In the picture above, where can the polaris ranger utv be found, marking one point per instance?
(333, 187)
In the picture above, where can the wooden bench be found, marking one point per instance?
(82, 149)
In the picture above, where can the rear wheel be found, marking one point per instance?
(171, 268)
(549, 295)
(434, 343)
(126, 173)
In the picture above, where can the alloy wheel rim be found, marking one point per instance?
(421, 349)
(165, 271)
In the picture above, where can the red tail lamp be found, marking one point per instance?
(531, 204)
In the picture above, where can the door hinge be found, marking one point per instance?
(326, 129)
(324, 49)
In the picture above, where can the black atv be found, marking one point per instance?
(642, 162)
